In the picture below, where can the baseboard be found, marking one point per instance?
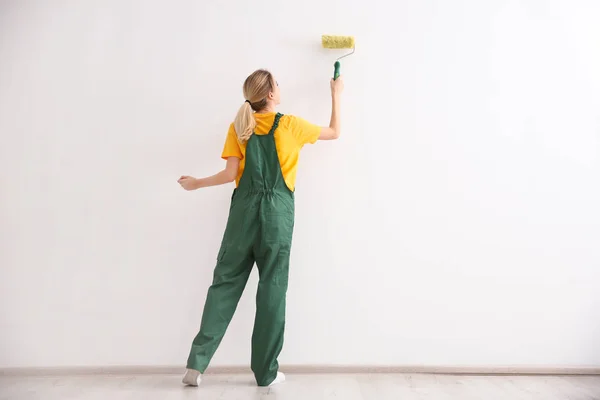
(312, 369)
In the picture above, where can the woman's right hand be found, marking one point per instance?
(337, 86)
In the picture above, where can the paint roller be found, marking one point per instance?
(338, 42)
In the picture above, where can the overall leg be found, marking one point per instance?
(269, 325)
(233, 268)
(229, 281)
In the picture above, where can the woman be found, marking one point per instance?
(261, 150)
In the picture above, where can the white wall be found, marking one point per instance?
(456, 222)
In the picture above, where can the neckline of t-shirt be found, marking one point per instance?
(264, 115)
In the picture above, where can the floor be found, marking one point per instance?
(303, 387)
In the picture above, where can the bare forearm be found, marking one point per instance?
(333, 131)
(220, 178)
(334, 123)
(225, 176)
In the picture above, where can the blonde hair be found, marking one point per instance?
(256, 90)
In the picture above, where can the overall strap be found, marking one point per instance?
(275, 124)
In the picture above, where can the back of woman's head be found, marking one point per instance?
(256, 91)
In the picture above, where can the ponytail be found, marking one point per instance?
(256, 90)
(244, 123)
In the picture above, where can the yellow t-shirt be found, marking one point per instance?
(291, 135)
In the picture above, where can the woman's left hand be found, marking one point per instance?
(188, 182)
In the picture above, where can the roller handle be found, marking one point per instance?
(336, 70)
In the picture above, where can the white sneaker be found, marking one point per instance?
(192, 378)
(280, 378)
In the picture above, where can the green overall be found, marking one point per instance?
(259, 229)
